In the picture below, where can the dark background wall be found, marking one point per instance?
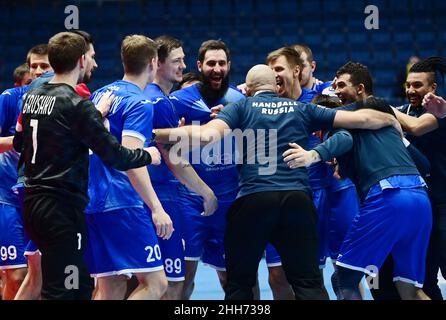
(333, 29)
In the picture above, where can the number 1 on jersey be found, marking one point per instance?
(34, 124)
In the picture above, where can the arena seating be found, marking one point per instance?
(333, 29)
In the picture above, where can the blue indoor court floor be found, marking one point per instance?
(207, 286)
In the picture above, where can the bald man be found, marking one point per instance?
(273, 204)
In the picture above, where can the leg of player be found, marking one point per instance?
(12, 281)
(190, 269)
(279, 284)
(408, 291)
(111, 288)
(32, 284)
(152, 286)
(174, 291)
(349, 283)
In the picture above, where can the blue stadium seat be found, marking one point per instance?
(154, 8)
(439, 6)
(285, 8)
(335, 40)
(333, 29)
(264, 8)
(425, 38)
(337, 58)
(401, 23)
(334, 25)
(383, 57)
(426, 52)
(134, 9)
(403, 37)
(243, 8)
(362, 55)
(312, 39)
(309, 7)
(180, 9)
(383, 91)
(332, 7)
(402, 55)
(380, 37)
(357, 39)
(267, 43)
(385, 77)
(88, 11)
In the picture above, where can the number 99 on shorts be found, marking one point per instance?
(8, 253)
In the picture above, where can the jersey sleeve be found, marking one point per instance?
(181, 106)
(87, 125)
(348, 107)
(138, 120)
(164, 116)
(319, 117)
(232, 115)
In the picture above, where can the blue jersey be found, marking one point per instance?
(324, 88)
(222, 178)
(307, 95)
(131, 114)
(9, 104)
(9, 112)
(164, 116)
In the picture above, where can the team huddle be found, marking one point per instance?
(96, 201)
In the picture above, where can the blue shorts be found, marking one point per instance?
(122, 242)
(172, 250)
(272, 257)
(344, 206)
(320, 200)
(204, 236)
(395, 221)
(31, 249)
(12, 238)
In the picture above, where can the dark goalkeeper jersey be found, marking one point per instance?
(58, 128)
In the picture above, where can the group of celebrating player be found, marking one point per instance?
(128, 211)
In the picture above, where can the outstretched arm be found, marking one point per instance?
(140, 180)
(186, 174)
(89, 128)
(365, 119)
(212, 131)
(417, 126)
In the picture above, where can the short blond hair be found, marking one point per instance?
(292, 57)
(136, 53)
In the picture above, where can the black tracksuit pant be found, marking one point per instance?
(58, 229)
(287, 220)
